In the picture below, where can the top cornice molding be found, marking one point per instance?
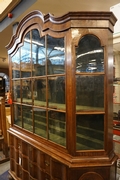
(92, 19)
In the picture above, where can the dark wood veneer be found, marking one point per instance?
(38, 157)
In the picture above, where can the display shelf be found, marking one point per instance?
(62, 101)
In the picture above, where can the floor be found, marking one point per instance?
(4, 167)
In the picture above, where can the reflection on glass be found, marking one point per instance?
(26, 57)
(16, 65)
(39, 92)
(38, 53)
(90, 93)
(90, 132)
(40, 122)
(26, 91)
(56, 92)
(16, 90)
(90, 55)
(116, 101)
(57, 127)
(17, 115)
(55, 55)
(27, 118)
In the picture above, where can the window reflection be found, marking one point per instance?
(27, 118)
(26, 91)
(90, 132)
(16, 91)
(57, 127)
(26, 58)
(40, 122)
(56, 92)
(16, 65)
(90, 56)
(39, 92)
(55, 55)
(38, 53)
(89, 93)
(17, 115)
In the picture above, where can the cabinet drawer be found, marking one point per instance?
(44, 162)
(47, 163)
(25, 175)
(12, 152)
(58, 170)
(34, 170)
(25, 163)
(18, 170)
(33, 154)
(25, 148)
(12, 165)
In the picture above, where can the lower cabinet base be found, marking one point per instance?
(66, 173)
(93, 173)
(29, 162)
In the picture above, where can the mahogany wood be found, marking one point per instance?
(33, 157)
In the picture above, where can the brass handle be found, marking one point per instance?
(30, 165)
(47, 163)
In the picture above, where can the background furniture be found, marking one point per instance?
(4, 135)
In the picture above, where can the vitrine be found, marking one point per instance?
(116, 97)
(61, 81)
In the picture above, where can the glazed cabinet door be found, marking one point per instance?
(38, 86)
(90, 92)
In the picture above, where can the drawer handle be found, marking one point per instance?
(30, 165)
(30, 148)
(19, 145)
(47, 163)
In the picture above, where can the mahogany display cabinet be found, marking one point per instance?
(61, 82)
(116, 98)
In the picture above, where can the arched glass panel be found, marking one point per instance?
(90, 56)
(89, 94)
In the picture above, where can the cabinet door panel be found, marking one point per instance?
(58, 170)
(25, 175)
(18, 171)
(12, 165)
(33, 170)
(25, 163)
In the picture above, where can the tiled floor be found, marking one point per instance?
(4, 167)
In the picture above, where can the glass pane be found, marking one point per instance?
(38, 53)
(90, 132)
(90, 93)
(17, 115)
(16, 65)
(90, 55)
(26, 57)
(16, 91)
(26, 91)
(56, 92)
(27, 118)
(116, 101)
(40, 92)
(40, 122)
(55, 55)
(57, 127)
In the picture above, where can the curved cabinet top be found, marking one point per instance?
(95, 19)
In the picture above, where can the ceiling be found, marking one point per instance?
(55, 7)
